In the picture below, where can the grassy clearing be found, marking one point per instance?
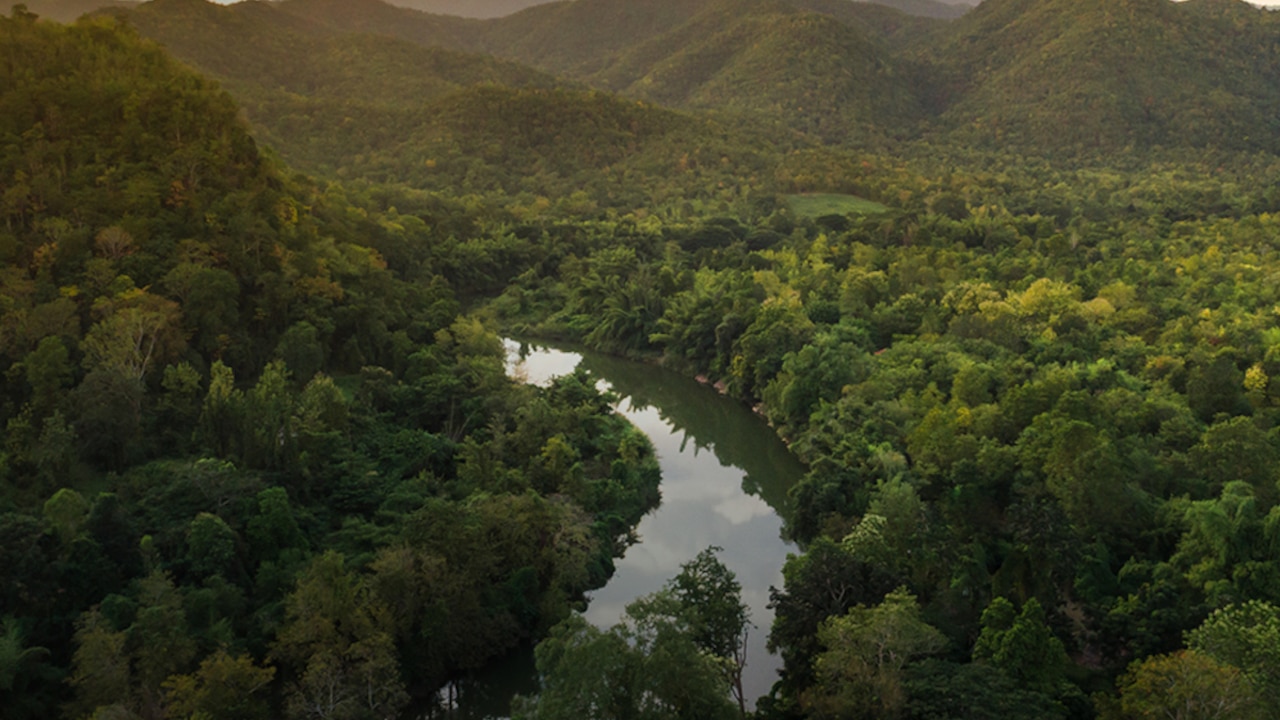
(814, 205)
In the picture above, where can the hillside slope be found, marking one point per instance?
(821, 66)
(805, 70)
(363, 106)
(1108, 74)
(485, 9)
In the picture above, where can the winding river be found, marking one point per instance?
(725, 477)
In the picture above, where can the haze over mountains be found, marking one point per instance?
(500, 8)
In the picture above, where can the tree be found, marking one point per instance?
(139, 330)
(222, 415)
(337, 641)
(211, 546)
(270, 437)
(100, 671)
(859, 672)
(1021, 644)
(224, 687)
(49, 372)
(273, 529)
(941, 690)
(300, 349)
(824, 582)
(1216, 387)
(646, 667)
(22, 671)
(1245, 636)
(66, 513)
(1187, 685)
(160, 639)
(710, 597)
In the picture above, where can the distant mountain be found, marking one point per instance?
(65, 11)
(1110, 74)
(805, 70)
(470, 8)
(822, 66)
(1035, 76)
(256, 44)
(942, 9)
(499, 8)
(380, 18)
(378, 108)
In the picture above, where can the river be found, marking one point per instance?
(725, 477)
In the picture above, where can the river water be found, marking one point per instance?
(725, 477)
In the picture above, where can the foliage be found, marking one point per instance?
(859, 673)
(1186, 685)
(676, 653)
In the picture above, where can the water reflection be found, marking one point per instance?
(725, 477)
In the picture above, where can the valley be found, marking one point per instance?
(1001, 280)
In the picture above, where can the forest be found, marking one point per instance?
(1005, 280)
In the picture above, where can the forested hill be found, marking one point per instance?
(824, 67)
(253, 462)
(68, 10)
(470, 8)
(1109, 74)
(1040, 76)
(1087, 78)
(359, 105)
(499, 8)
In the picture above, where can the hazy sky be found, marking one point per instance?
(1268, 3)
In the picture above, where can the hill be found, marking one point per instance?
(382, 109)
(822, 66)
(65, 11)
(1086, 75)
(804, 70)
(941, 9)
(470, 8)
(946, 9)
(172, 303)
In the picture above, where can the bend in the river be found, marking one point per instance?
(725, 477)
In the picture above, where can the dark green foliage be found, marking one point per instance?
(675, 653)
(199, 519)
(941, 690)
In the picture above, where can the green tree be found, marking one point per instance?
(1021, 644)
(23, 669)
(941, 690)
(224, 687)
(1245, 636)
(222, 415)
(273, 528)
(211, 546)
(711, 601)
(66, 513)
(300, 349)
(1186, 685)
(160, 639)
(822, 583)
(49, 372)
(647, 667)
(336, 639)
(859, 672)
(101, 675)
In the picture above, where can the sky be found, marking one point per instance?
(1265, 3)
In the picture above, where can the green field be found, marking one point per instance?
(814, 205)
